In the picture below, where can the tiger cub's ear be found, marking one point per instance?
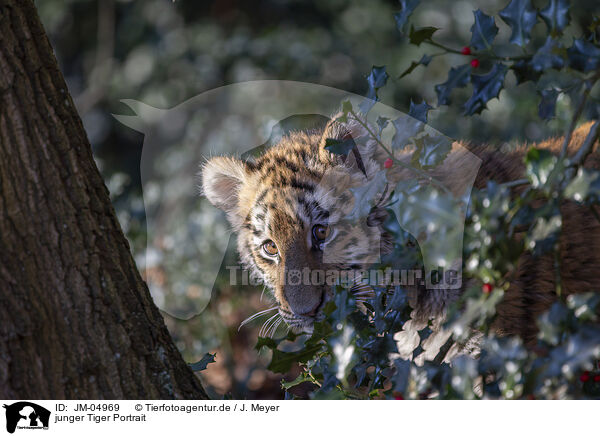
(222, 180)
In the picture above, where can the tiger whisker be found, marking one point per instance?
(256, 315)
(271, 331)
(274, 328)
(267, 331)
(266, 325)
(263, 292)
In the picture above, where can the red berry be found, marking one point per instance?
(475, 63)
(388, 163)
(585, 376)
(531, 397)
(466, 50)
(486, 288)
(398, 397)
(597, 378)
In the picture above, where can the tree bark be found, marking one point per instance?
(76, 319)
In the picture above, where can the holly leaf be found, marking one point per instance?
(382, 123)
(406, 9)
(458, 77)
(419, 111)
(341, 147)
(282, 361)
(521, 17)
(585, 305)
(552, 323)
(433, 217)
(547, 106)
(431, 151)
(346, 109)
(583, 186)
(539, 163)
(592, 111)
(265, 342)
(406, 130)
(564, 81)
(417, 36)
(543, 169)
(556, 15)
(584, 56)
(344, 352)
(300, 379)
(203, 363)
(544, 234)
(524, 72)
(425, 59)
(376, 79)
(365, 195)
(401, 375)
(485, 88)
(414, 64)
(550, 55)
(475, 313)
(483, 31)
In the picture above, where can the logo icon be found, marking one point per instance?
(26, 415)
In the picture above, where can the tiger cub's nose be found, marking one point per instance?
(312, 312)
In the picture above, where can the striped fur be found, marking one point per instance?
(297, 184)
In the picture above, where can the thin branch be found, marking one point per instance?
(573, 123)
(420, 173)
(479, 54)
(514, 183)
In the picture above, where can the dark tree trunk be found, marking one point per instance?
(76, 319)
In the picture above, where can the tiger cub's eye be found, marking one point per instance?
(320, 232)
(270, 248)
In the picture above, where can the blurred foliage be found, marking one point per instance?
(163, 52)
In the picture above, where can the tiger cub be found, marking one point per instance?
(285, 206)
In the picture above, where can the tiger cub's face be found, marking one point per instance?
(289, 208)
